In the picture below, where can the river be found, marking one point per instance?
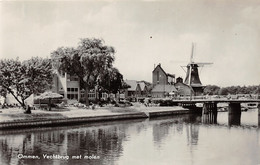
(173, 140)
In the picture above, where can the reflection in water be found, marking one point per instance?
(184, 139)
(258, 120)
(234, 119)
(81, 141)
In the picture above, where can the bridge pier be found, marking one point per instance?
(234, 119)
(258, 121)
(234, 108)
(258, 106)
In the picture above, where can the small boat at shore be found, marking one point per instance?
(225, 109)
(249, 105)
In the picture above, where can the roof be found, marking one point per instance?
(167, 74)
(171, 75)
(159, 66)
(132, 83)
(164, 88)
(142, 85)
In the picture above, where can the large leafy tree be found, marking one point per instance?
(22, 79)
(88, 61)
(112, 81)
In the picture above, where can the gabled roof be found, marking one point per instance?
(164, 88)
(171, 75)
(159, 66)
(167, 74)
(142, 85)
(132, 83)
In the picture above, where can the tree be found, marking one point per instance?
(88, 61)
(211, 90)
(22, 79)
(223, 91)
(112, 81)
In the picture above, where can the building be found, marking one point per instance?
(161, 77)
(182, 89)
(68, 86)
(137, 90)
(163, 83)
(160, 91)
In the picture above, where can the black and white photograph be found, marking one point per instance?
(130, 82)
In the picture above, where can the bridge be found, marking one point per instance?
(210, 105)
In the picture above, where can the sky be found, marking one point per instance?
(144, 34)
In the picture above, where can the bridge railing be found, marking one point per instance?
(214, 97)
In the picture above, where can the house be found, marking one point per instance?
(145, 86)
(163, 83)
(138, 89)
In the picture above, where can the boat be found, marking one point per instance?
(249, 105)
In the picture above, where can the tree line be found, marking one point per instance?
(91, 61)
(233, 90)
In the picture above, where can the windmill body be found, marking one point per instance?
(192, 75)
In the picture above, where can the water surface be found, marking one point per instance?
(180, 140)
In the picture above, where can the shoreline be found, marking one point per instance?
(14, 118)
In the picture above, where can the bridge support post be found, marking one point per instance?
(209, 113)
(209, 108)
(234, 108)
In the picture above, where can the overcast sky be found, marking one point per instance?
(144, 33)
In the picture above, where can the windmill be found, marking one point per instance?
(192, 75)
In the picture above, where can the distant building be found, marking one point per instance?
(69, 87)
(182, 89)
(138, 89)
(161, 77)
(163, 83)
(164, 90)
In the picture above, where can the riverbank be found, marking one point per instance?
(15, 118)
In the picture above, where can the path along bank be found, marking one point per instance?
(15, 118)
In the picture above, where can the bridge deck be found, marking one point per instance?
(217, 101)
